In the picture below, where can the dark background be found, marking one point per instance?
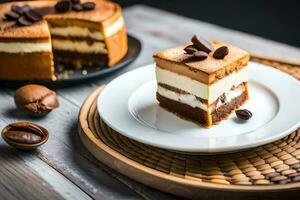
(274, 19)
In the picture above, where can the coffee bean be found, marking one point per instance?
(202, 44)
(243, 114)
(23, 137)
(12, 16)
(77, 7)
(63, 6)
(17, 9)
(190, 49)
(26, 8)
(221, 52)
(36, 100)
(26, 126)
(23, 21)
(200, 55)
(75, 1)
(33, 15)
(45, 10)
(88, 6)
(20, 9)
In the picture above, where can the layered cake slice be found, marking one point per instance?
(37, 35)
(88, 38)
(203, 82)
(25, 52)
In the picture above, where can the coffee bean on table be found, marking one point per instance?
(88, 6)
(221, 52)
(77, 7)
(190, 49)
(23, 21)
(33, 15)
(202, 44)
(36, 100)
(25, 135)
(243, 114)
(12, 16)
(63, 6)
(200, 55)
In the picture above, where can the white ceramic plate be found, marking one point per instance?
(128, 105)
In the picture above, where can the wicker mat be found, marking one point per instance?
(269, 171)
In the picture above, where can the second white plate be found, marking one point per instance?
(128, 104)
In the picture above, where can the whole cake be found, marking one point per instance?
(36, 34)
(202, 81)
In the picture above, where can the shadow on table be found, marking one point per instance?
(20, 115)
(100, 167)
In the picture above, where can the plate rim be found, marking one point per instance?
(199, 150)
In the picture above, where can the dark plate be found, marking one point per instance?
(78, 76)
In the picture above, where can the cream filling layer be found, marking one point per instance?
(209, 92)
(77, 31)
(192, 101)
(79, 46)
(114, 27)
(24, 47)
(188, 99)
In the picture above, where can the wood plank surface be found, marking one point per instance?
(61, 150)
(64, 158)
(22, 177)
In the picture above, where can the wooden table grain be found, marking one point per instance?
(63, 168)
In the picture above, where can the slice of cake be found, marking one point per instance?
(203, 82)
(25, 51)
(91, 37)
(88, 33)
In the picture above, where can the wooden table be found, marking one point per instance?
(62, 168)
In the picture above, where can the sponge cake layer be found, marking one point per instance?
(207, 71)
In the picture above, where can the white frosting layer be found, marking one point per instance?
(232, 94)
(20, 47)
(76, 31)
(188, 99)
(192, 101)
(79, 46)
(114, 27)
(209, 92)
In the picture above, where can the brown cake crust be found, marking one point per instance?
(116, 47)
(103, 13)
(206, 71)
(9, 29)
(26, 66)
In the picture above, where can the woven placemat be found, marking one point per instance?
(269, 171)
